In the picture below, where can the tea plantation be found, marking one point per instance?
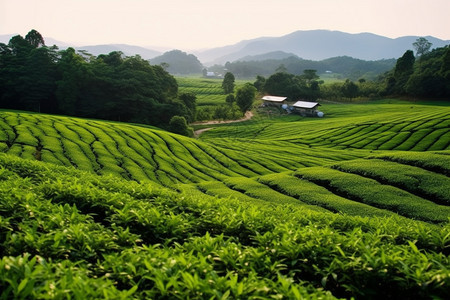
(352, 205)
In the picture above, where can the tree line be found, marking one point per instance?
(343, 66)
(425, 75)
(38, 78)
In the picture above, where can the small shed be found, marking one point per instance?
(306, 108)
(274, 100)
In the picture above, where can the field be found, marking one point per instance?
(209, 91)
(352, 205)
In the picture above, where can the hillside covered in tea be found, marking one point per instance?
(355, 204)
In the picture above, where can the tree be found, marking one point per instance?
(189, 100)
(35, 39)
(72, 73)
(279, 84)
(230, 99)
(422, 46)
(445, 70)
(228, 83)
(403, 70)
(310, 75)
(179, 125)
(259, 83)
(281, 69)
(445, 67)
(350, 89)
(245, 96)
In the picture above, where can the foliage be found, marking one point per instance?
(259, 83)
(294, 87)
(403, 70)
(38, 78)
(179, 125)
(190, 101)
(354, 205)
(347, 67)
(70, 233)
(422, 46)
(349, 89)
(230, 99)
(228, 83)
(425, 77)
(245, 96)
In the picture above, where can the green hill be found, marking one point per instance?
(278, 207)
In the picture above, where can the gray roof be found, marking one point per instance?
(305, 104)
(274, 98)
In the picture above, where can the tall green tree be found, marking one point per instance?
(403, 70)
(189, 100)
(259, 83)
(72, 71)
(228, 83)
(35, 39)
(38, 82)
(245, 96)
(445, 67)
(279, 84)
(422, 46)
(310, 75)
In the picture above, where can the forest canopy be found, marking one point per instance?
(110, 86)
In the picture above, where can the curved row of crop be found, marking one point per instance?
(377, 186)
(67, 233)
(141, 153)
(426, 128)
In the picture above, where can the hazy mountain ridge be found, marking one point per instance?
(310, 44)
(269, 55)
(321, 44)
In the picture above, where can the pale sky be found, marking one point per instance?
(195, 24)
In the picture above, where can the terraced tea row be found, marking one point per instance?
(142, 153)
(425, 128)
(209, 92)
(366, 187)
(69, 233)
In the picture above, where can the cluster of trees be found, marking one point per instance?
(38, 78)
(237, 102)
(305, 86)
(244, 97)
(425, 75)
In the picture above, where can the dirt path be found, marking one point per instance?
(197, 133)
(248, 115)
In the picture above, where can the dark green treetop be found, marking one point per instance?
(228, 83)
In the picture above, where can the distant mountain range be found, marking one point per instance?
(311, 44)
(318, 45)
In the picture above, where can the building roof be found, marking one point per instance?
(304, 104)
(274, 98)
